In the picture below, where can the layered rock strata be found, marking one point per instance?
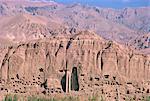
(83, 63)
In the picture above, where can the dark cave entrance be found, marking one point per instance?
(63, 82)
(74, 79)
(70, 81)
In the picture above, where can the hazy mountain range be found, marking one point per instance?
(121, 25)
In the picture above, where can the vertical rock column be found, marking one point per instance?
(68, 81)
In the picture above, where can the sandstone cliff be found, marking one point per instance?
(85, 60)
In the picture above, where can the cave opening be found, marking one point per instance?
(70, 81)
(74, 79)
(63, 83)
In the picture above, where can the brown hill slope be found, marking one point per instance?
(134, 18)
(85, 18)
(25, 27)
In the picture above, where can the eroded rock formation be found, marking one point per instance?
(82, 62)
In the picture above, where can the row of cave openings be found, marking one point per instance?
(69, 81)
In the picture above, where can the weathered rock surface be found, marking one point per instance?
(86, 61)
(44, 50)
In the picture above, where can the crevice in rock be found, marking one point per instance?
(102, 64)
(102, 61)
(69, 43)
(97, 58)
(60, 46)
(109, 44)
(44, 84)
(130, 56)
(8, 74)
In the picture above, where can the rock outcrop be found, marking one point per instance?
(82, 62)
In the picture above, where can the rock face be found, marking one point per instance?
(82, 62)
(51, 49)
(142, 42)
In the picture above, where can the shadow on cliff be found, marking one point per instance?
(63, 83)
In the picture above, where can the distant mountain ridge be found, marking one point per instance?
(120, 25)
(42, 0)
